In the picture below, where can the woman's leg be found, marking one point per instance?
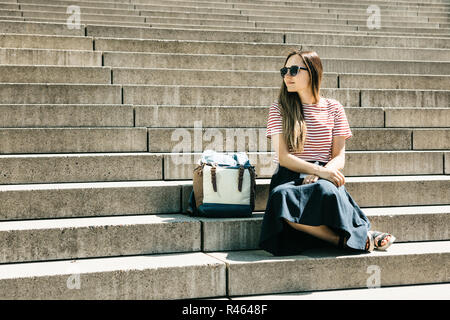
(325, 233)
(322, 232)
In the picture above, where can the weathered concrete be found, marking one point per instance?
(252, 272)
(156, 277)
(97, 237)
(35, 201)
(88, 167)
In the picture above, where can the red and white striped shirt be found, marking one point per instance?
(324, 121)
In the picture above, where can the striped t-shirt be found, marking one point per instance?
(324, 121)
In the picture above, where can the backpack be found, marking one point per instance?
(223, 186)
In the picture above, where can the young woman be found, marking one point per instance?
(308, 205)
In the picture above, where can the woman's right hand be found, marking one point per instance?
(332, 175)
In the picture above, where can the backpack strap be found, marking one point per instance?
(240, 177)
(213, 177)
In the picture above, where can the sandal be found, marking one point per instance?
(382, 236)
(370, 243)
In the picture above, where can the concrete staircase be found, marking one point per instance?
(100, 128)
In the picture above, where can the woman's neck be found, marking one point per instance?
(307, 97)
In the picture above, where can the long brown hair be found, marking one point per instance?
(294, 125)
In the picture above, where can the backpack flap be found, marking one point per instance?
(227, 192)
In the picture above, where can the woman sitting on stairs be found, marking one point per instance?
(308, 205)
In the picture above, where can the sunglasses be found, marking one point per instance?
(293, 70)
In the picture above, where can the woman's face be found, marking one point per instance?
(301, 82)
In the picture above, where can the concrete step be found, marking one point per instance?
(19, 56)
(41, 28)
(64, 20)
(152, 277)
(305, 24)
(264, 63)
(11, 18)
(67, 115)
(85, 16)
(46, 42)
(271, 37)
(55, 74)
(85, 8)
(393, 81)
(180, 34)
(370, 191)
(444, 20)
(13, 93)
(254, 116)
(81, 167)
(187, 8)
(406, 23)
(159, 76)
(331, 6)
(339, 11)
(196, 138)
(425, 31)
(306, 28)
(179, 166)
(75, 238)
(426, 3)
(64, 140)
(367, 40)
(234, 96)
(408, 292)
(399, 4)
(61, 42)
(93, 167)
(153, 76)
(403, 26)
(251, 272)
(425, 223)
(388, 98)
(156, 277)
(11, 13)
(305, 16)
(9, 5)
(310, 28)
(168, 233)
(391, 15)
(222, 26)
(236, 48)
(115, 4)
(276, 4)
(25, 93)
(279, 9)
(207, 77)
(76, 200)
(36, 201)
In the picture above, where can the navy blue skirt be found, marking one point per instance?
(313, 204)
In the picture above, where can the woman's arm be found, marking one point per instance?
(337, 154)
(290, 161)
(295, 164)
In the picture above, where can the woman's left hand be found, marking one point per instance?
(310, 179)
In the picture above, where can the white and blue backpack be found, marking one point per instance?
(223, 186)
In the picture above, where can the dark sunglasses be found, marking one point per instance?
(293, 70)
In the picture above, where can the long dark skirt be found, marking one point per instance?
(313, 204)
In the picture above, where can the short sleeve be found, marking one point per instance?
(341, 126)
(274, 123)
